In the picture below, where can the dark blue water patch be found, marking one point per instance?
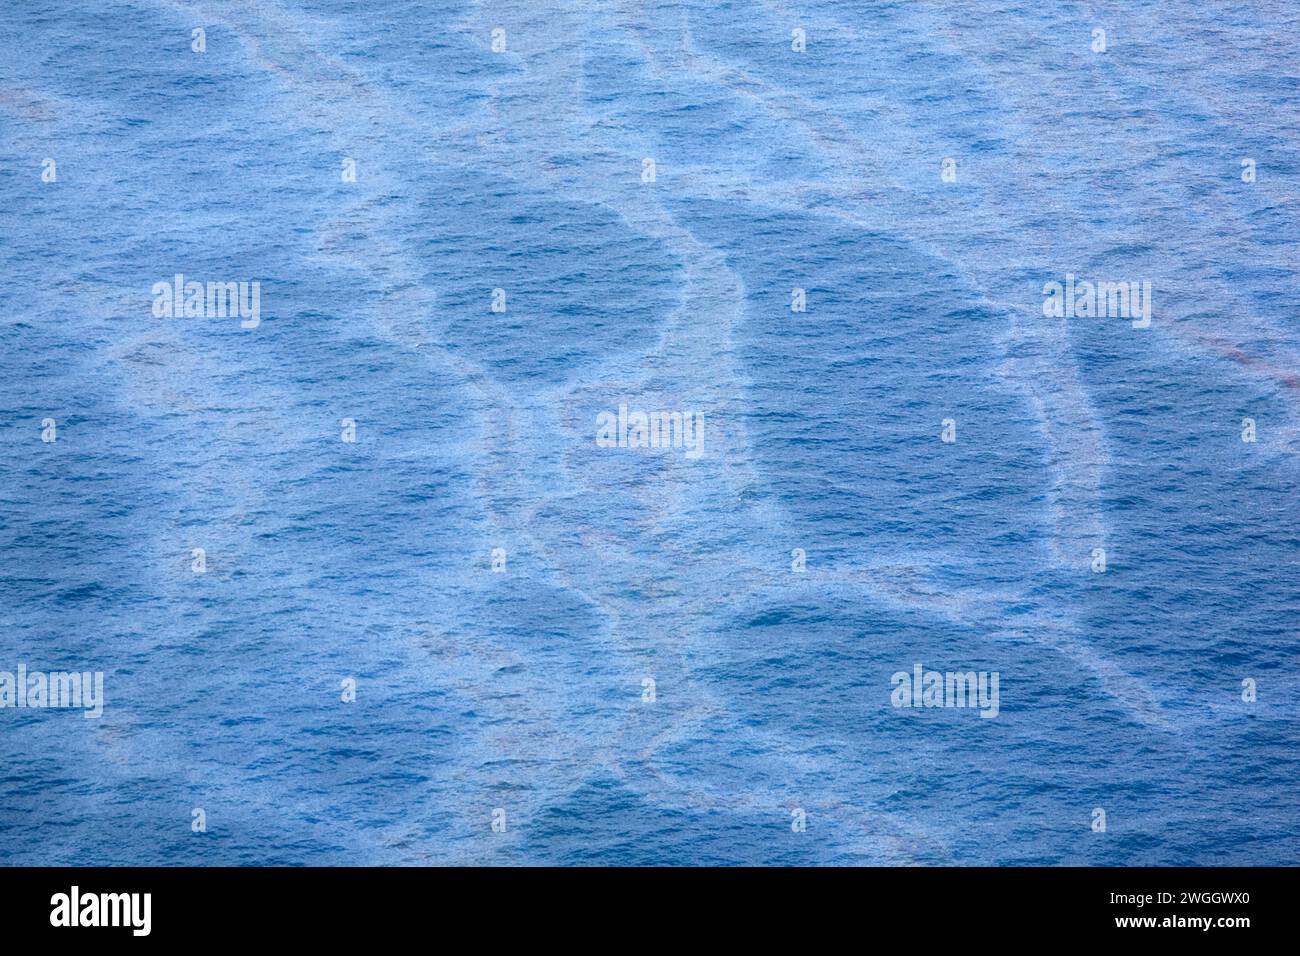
(685, 121)
(333, 782)
(916, 71)
(1200, 585)
(811, 676)
(580, 287)
(93, 53)
(1203, 522)
(443, 70)
(890, 346)
(606, 821)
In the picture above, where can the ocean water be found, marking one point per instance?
(520, 695)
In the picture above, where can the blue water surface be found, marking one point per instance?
(523, 693)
